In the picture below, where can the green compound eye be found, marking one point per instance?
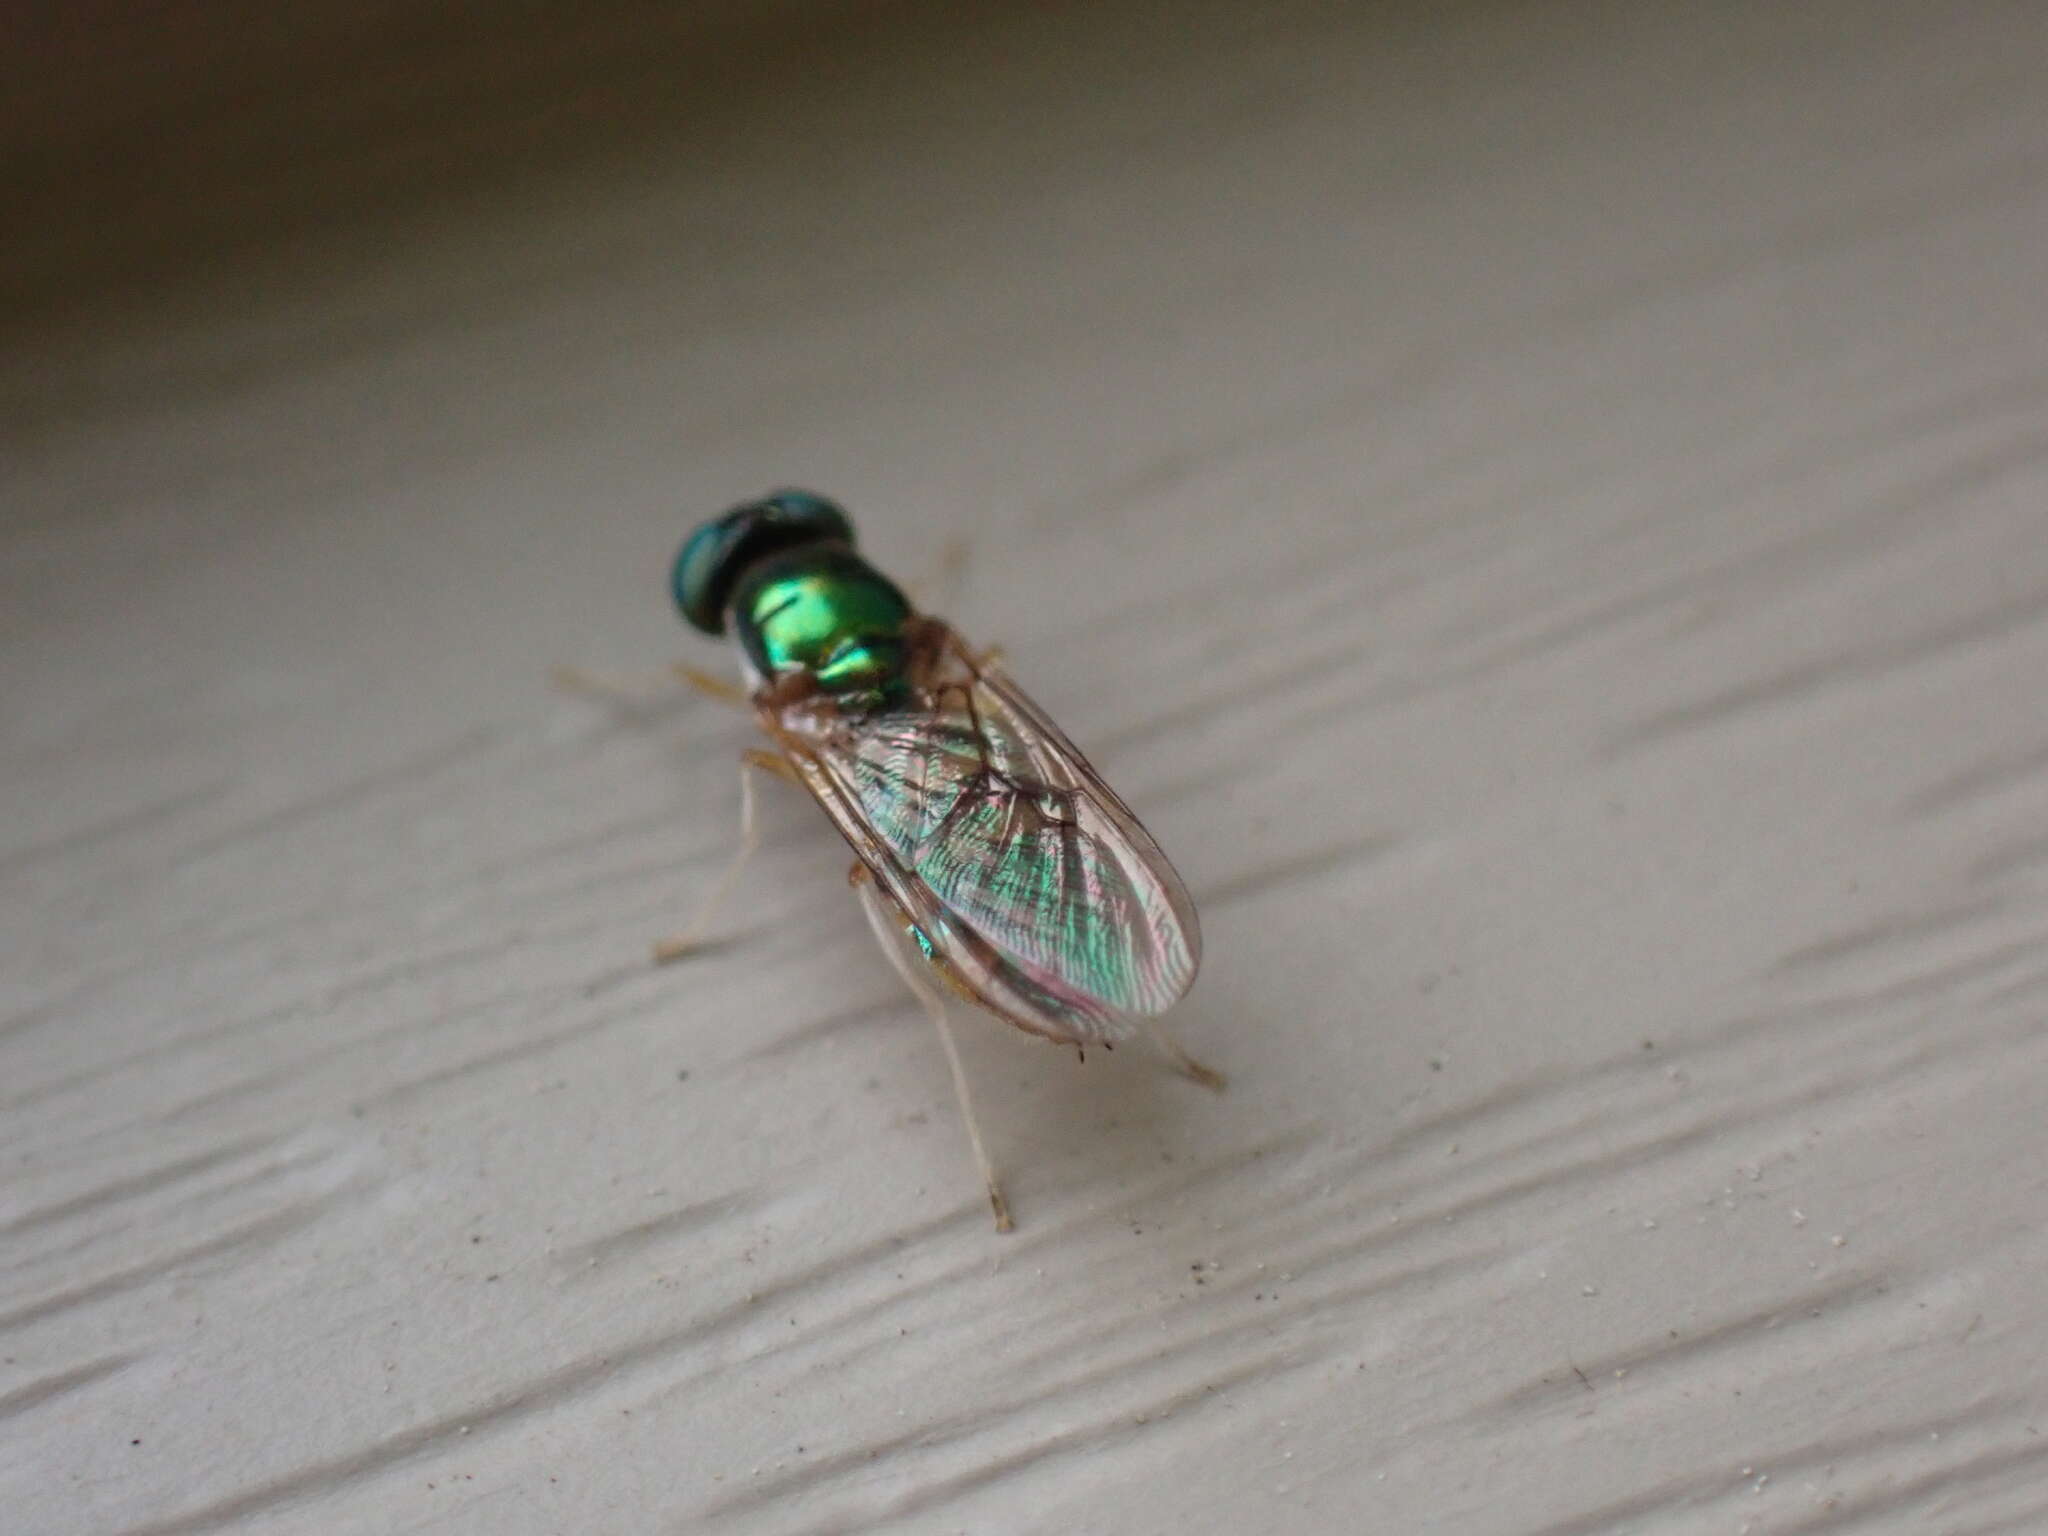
(719, 552)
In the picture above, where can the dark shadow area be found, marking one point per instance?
(146, 146)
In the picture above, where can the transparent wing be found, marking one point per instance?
(1033, 884)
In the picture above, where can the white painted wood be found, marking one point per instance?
(1543, 509)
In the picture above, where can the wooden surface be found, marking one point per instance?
(1544, 509)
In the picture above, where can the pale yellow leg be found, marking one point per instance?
(647, 690)
(1208, 1077)
(681, 944)
(888, 929)
(600, 685)
(712, 687)
(940, 589)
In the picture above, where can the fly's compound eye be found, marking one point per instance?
(719, 552)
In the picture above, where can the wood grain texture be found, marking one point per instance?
(1544, 509)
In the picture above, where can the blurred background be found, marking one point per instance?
(1541, 507)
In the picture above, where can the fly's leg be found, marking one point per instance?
(603, 685)
(712, 687)
(996, 1202)
(1183, 1063)
(889, 930)
(647, 690)
(681, 944)
(936, 590)
(988, 659)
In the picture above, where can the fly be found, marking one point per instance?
(991, 860)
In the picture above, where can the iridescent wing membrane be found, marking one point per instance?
(1022, 872)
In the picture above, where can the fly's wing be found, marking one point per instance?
(1033, 884)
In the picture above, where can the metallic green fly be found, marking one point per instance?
(991, 859)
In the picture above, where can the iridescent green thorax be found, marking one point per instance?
(823, 610)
